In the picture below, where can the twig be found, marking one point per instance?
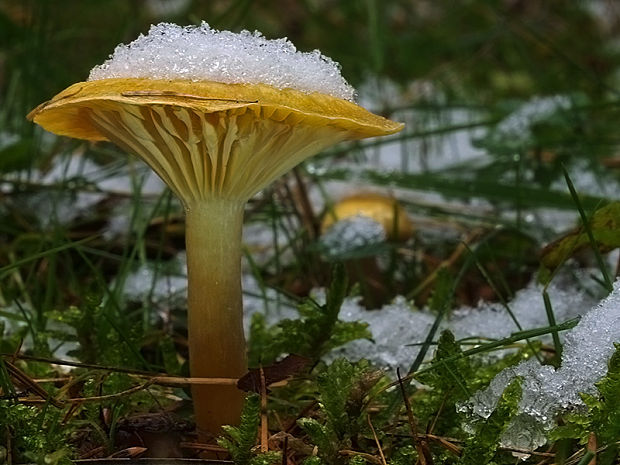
(447, 263)
(412, 423)
(127, 392)
(374, 434)
(178, 380)
(56, 361)
(591, 447)
(30, 384)
(52, 380)
(264, 426)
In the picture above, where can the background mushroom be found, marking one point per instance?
(356, 230)
(215, 144)
(382, 209)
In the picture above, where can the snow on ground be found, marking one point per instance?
(546, 391)
(396, 325)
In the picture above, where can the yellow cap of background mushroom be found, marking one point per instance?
(381, 208)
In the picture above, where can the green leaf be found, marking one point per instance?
(357, 460)
(335, 385)
(266, 458)
(481, 449)
(319, 435)
(452, 372)
(605, 227)
(606, 421)
(347, 331)
(241, 439)
(443, 291)
(404, 456)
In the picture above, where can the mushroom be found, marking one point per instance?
(215, 144)
(380, 208)
(352, 231)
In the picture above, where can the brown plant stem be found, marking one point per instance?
(215, 313)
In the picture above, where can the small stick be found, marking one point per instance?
(285, 451)
(264, 425)
(93, 398)
(591, 447)
(56, 361)
(32, 386)
(453, 448)
(374, 434)
(52, 380)
(447, 263)
(178, 380)
(157, 377)
(439, 411)
(412, 423)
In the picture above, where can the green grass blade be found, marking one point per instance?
(586, 225)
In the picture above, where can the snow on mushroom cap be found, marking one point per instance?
(199, 53)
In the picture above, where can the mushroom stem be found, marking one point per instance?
(215, 311)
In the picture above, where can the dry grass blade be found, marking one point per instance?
(28, 383)
(446, 444)
(264, 424)
(412, 423)
(374, 434)
(591, 447)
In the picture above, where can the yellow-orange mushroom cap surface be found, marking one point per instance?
(207, 139)
(382, 209)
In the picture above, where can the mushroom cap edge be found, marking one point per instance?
(61, 114)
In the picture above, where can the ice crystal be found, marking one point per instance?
(200, 53)
(548, 392)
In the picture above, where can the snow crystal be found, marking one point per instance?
(392, 327)
(492, 320)
(199, 53)
(397, 325)
(515, 130)
(161, 286)
(352, 234)
(546, 391)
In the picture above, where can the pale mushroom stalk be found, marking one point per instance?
(215, 309)
(215, 145)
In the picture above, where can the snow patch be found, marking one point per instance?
(200, 53)
(546, 391)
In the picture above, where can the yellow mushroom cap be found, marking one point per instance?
(206, 138)
(383, 209)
